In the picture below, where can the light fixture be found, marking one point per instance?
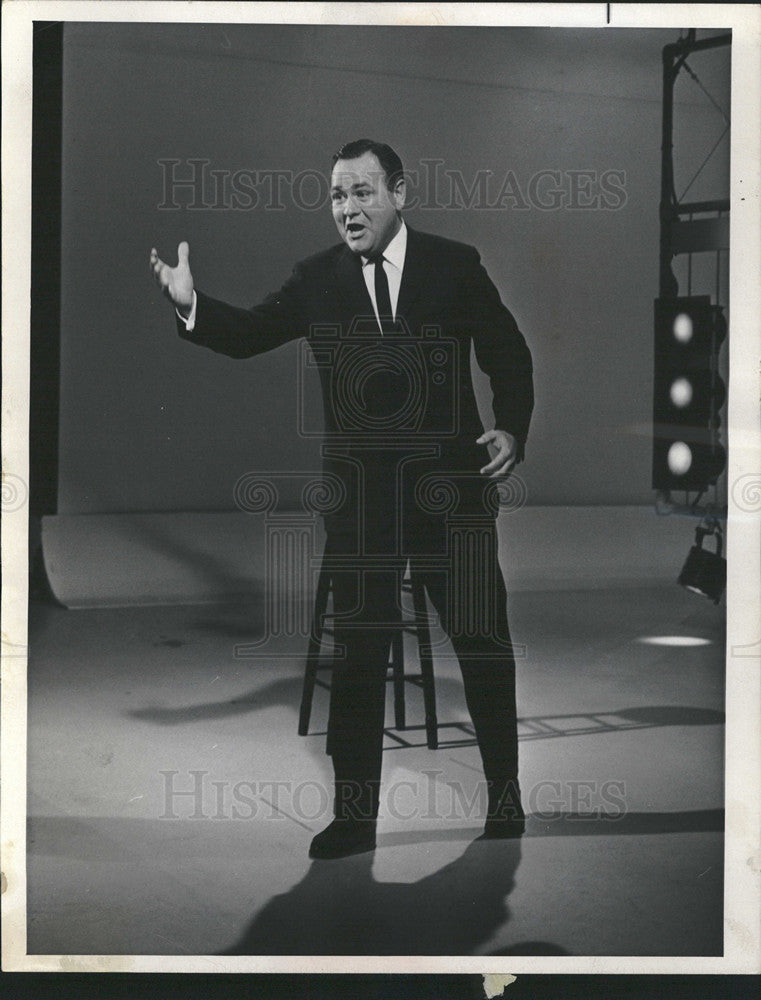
(679, 458)
(681, 392)
(705, 572)
(688, 393)
(682, 328)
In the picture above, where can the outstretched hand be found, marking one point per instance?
(507, 449)
(175, 282)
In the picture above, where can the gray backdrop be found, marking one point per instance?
(150, 423)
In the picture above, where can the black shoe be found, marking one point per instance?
(344, 838)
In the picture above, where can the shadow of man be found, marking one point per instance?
(339, 909)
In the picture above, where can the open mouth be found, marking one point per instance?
(355, 229)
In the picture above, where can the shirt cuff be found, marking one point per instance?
(190, 322)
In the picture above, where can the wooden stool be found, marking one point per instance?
(418, 625)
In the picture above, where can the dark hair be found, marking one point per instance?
(388, 159)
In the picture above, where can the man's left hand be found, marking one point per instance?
(504, 460)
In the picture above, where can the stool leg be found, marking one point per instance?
(397, 663)
(426, 661)
(313, 650)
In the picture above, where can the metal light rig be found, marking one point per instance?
(688, 392)
(689, 329)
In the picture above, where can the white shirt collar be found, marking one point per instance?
(396, 251)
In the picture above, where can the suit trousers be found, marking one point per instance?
(465, 586)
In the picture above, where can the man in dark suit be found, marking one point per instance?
(390, 315)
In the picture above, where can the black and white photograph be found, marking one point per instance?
(381, 488)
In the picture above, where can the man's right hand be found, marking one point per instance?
(175, 282)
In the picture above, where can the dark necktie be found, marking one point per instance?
(383, 298)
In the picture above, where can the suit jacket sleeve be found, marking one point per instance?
(501, 352)
(243, 333)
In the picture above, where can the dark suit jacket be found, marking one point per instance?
(409, 389)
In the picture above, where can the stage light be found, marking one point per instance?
(687, 393)
(681, 392)
(679, 458)
(705, 572)
(683, 328)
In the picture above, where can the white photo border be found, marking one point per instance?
(743, 688)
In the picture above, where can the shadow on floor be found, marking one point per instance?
(287, 691)
(116, 838)
(284, 691)
(339, 909)
(579, 824)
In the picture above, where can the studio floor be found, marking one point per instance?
(171, 802)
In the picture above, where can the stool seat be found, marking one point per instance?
(417, 625)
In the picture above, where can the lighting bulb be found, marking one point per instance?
(679, 458)
(681, 392)
(683, 328)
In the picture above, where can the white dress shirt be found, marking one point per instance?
(190, 319)
(393, 265)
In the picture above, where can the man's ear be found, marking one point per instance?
(399, 194)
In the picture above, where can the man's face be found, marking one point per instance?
(364, 209)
